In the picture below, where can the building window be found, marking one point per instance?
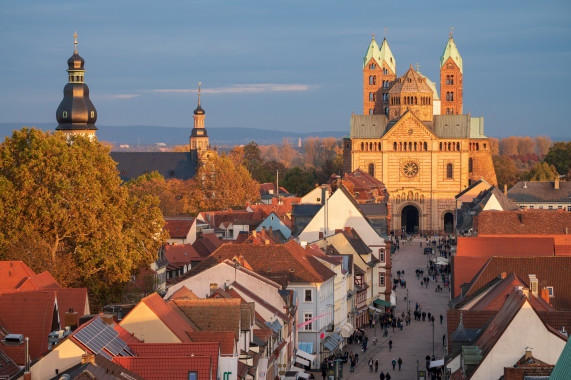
(213, 288)
(381, 279)
(64, 115)
(370, 111)
(531, 207)
(425, 146)
(370, 79)
(374, 79)
(372, 169)
(370, 96)
(307, 295)
(308, 317)
(192, 375)
(541, 207)
(568, 208)
(550, 290)
(395, 146)
(449, 169)
(551, 207)
(470, 165)
(382, 255)
(386, 111)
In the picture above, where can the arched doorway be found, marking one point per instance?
(409, 219)
(448, 223)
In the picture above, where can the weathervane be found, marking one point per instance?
(451, 30)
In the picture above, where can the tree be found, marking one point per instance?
(508, 146)
(62, 206)
(173, 199)
(506, 171)
(288, 155)
(543, 143)
(299, 181)
(525, 145)
(494, 146)
(542, 171)
(220, 185)
(181, 148)
(559, 155)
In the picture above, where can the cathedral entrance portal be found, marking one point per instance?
(448, 223)
(409, 220)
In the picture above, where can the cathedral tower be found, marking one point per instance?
(451, 72)
(198, 137)
(379, 71)
(411, 92)
(76, 114)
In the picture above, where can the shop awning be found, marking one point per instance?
(302, 361)
(305, 350)
(381, 303)
(346, 330)
(376, 310)
(436, 363)
(332, 342)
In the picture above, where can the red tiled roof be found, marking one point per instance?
(211, 313)
(470, 319)
(505, 246)
(264, 334)
(281, 263)
(72, 298)
(8, 367)
(13, 274)
(534, 222)
(226, 339)
(167, 368)
(181, 254)
(184, 293)
(208, 349)
(266, 187)
(178, 228)
(43, 280)
(30, 314)
(170, 317)
(206, 244)
(259, 301)
(464, 268)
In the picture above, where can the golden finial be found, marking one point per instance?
(199, 84)
(451, 30)
(385, 32)
(75, 42)
(373, 35)
(417, 66)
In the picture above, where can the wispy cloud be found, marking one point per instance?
(244, 89)
(119, 96)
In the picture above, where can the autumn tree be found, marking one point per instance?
(506, 171)
(542, 144)
(288, 155)
(62, 206)
(559, 155)
(219, 185)
(542, 171)
(494, 146)
(172, 194)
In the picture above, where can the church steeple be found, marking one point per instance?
(379, 71)
(76, 114)
(451, 75)
(198, 138)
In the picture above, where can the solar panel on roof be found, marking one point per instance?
(98, 336)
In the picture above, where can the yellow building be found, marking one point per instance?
(423, 158)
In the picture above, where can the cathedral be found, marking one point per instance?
(416, 141)
(76, 115)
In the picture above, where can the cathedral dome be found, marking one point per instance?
(199, 110)
(75, 62)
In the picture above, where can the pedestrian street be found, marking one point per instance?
(415, 341)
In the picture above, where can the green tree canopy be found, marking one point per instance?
(299, 181)
(559, 155)
(63, 209)
(542, 171)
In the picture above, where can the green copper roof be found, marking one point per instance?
(451, 51)
(380, 55)
(430, 84)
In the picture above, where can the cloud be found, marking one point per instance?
(245, 89)
(119, 96)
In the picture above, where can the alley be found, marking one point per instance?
(415, 341)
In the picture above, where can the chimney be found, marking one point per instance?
(505, 189)
(556, 183)
(527, 353)
(254, 233)
(88, 358)
(533, 285)
(525, 292)
(71, 319)
(545, 295)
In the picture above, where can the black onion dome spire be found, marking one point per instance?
(199, 110)
(76, 112)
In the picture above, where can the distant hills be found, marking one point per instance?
(147, 135)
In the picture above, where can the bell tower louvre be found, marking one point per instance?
(76, 114)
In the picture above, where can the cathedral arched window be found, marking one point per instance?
(379, 145)
(370, 79)
(415, 145)
(404, 146)
(374, 96)
(449, 169)
(440, 146)
(448, 96)
(370, 111)
(370, 96)
(374, 79)
(451, 96)
(409, 146)
(451, 79)
(470, 165)
(395, 145)
(458, 146)
(448, 147)
(415, 100)
(370, 146)
(362, 146)
(425, 146)
(447, 79)
(92, 114)
(372, 169)
(400, 146)
(451, 111)
(477, 146)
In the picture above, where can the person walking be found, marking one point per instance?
(390, 344)
(376, 366)
(394, 363)
(371, 365)
(441, 318)
(382, 376)
(388, 376)
(399, 362)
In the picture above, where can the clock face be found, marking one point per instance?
(410, 169)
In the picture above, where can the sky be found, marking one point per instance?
(281, 65)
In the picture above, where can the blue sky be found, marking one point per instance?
(281, 65)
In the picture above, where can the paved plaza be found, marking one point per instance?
(414, 342)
